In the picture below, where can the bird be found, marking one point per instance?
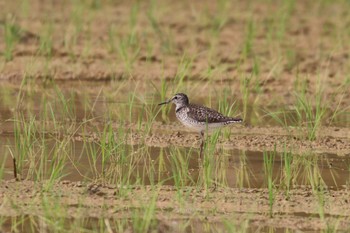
(198, 117)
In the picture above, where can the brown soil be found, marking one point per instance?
(300, 212)
(329, 139)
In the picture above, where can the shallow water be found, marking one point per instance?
(233, 168)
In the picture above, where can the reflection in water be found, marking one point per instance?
(140, 164)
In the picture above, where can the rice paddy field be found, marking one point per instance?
(84, 146)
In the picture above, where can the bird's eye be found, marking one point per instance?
(175, 97)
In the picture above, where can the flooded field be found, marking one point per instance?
(84, 146)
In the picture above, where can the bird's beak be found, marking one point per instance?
(166, 102)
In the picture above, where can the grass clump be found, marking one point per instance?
(11, 36)
(269, 159)
(308, 113)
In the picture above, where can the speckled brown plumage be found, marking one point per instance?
(208, 115)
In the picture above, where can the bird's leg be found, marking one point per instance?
(202, 145)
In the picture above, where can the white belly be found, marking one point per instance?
(199, 126)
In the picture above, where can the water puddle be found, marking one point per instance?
(141, 164)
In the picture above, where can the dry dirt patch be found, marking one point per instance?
(214, 204)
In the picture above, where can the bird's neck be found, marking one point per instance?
(179, 107)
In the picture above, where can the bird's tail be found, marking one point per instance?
(235, 120)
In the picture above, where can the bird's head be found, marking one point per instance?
(179, 99)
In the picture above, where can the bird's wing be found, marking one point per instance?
(204, 114)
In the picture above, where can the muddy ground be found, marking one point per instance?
(299, 212)
(330, 139)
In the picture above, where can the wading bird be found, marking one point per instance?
(199, 118)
